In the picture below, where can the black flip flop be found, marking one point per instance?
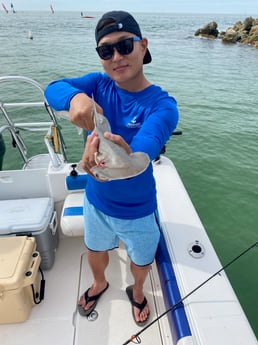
(140, 306)
(95, 298)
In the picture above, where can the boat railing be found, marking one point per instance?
(55, 158)
(18, 140)
(15, 128)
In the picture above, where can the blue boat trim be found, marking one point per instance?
(76, 182)
(73, 211)
(177, 318)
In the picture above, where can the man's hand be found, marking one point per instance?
(117, 139)
(92, 147)
(81, 111)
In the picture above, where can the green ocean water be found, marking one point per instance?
(216, 87)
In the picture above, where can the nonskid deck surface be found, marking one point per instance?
(56, 320)
(115, 323)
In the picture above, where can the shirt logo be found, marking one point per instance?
(133, 123)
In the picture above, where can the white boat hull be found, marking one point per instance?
(210, 315)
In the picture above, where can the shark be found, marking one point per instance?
(112, 161)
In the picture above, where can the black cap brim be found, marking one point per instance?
(147, 57)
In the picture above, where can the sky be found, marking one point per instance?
(246, 7)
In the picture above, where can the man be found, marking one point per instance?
(142, 118)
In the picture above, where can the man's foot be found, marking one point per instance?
(89, 300)
(140, 310)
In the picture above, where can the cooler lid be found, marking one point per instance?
(15, 257)
(25, 215)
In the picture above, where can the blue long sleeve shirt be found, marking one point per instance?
(145, 119)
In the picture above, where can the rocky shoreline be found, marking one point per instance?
(245, 32)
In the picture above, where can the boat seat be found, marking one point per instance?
(38, 161)
(72, 214)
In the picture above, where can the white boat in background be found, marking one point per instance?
(183, 278)
(30, 36)
(12, 7)
(4, 7)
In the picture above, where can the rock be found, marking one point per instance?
(231, 36)
(245, 32)
(208, 31)
(252, 38)
(248, 23)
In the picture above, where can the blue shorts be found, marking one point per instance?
(140, 236)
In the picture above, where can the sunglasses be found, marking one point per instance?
(124, 47)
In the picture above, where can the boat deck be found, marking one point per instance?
(56, 320)
(213, 312)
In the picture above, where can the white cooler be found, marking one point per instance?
(32, 217)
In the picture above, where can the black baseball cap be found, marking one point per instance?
(119, 21)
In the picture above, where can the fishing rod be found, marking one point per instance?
(136, 339)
